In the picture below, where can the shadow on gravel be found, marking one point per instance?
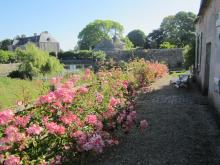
(183, 130)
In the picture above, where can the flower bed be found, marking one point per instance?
(79, 116)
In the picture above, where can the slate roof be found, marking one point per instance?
(203, 5)
(43, 37)
(25, 40)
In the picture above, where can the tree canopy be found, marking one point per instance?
(97, 31)
(179, 29)
(5, 44)
(176, 29)
(155, 39)
(137, 37)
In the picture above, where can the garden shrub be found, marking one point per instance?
(82, 54)
(189, 55)
(146, 72)
(35, 62)
(8, 57)
(167, 45)
(78, 117)
(19, 74)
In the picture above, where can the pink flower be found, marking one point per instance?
(91, 119)
(54, 128)
(69, 118)
(22, 121)
(55, 81)
(49, 98)
(113, 102)
(12, 160)
(45, 119)
(68, 84)
(19, 103)
(133, 115)
(125, 84)
(13, 135)
(56, 161)
(83, 90)
(112, 142)
(99, 126)
(4, 148)
(95, 143)
(6, 116)
(99, 97)
(109, 113)
(34, 129)
(121, 117)
(64, 95)
(143, 125)
(80, 110)
(88, 72)
(80, 137)
(75, 78)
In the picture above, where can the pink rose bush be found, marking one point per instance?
(78, 116)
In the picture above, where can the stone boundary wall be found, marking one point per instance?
(5, 69)
(172, 57)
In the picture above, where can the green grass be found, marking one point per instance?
(178, 73)
(13, 90)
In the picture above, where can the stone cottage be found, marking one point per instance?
(44, 41)
(113, 44)
(207, 66)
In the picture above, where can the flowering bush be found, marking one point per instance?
(77, 117)
(145, 72)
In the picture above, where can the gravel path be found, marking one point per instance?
(183, 131)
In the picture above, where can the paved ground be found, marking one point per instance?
(183, 131)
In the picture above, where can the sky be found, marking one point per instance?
(64, 19)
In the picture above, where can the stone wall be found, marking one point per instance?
(172, 57)
(5, 69)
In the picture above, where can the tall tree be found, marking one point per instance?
(155, 39)
(137, 37)
(179, 29)
(98, 30)
(5, 44)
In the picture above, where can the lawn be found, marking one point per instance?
(178, 73)
(13, 90)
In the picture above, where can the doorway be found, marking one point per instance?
(207, 67)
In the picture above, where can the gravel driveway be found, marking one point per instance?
(183, 131)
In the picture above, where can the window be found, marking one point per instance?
(199, 40)
(200, 54)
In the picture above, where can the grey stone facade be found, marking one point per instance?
(44, 41)
(113, 44)
(172, 57)
(207, 64)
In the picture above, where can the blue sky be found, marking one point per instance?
(64, 19)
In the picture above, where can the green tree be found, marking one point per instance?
(189, 55)
(155, 39)
(98, 30)
(8, 56)
(5, 44)
(167, 45)
(128, 43)
(137, 37)
(35, 62)
(179, 29)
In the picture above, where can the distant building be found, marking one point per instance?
(44, 41)
(111, 45)
(208, 50)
